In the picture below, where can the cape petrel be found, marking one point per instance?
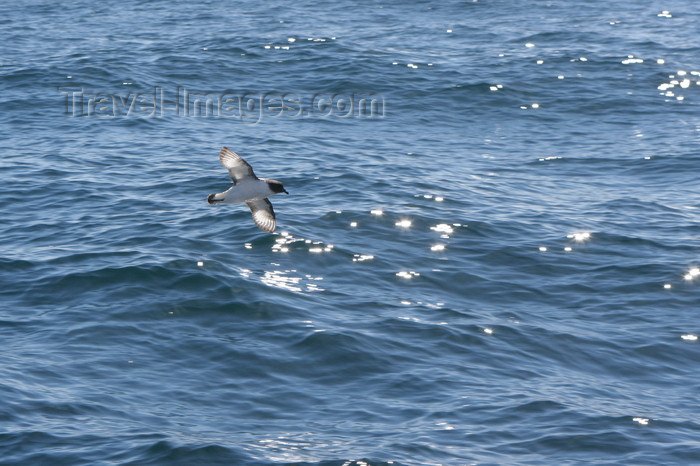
(248, 188)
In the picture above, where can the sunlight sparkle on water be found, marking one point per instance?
(641, 420)
(443, 228)
(437, 247)
(580, 236)
(407, 274)
(689, 337)
(376, 212)
(683, 83)
(403, 223)
(445, 426)
(631, 59)
(692, 273)
(281, 279)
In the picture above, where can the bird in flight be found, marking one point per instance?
(248, 188)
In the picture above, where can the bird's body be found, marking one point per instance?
(248, 188)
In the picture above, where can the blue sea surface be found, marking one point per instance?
(489, 255)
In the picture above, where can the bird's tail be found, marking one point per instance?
(214, 199)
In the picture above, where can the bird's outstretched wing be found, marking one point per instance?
(236, 166)
(263, 214)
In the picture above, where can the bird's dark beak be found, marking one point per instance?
(285, 191)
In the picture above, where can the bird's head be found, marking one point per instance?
(276, 186)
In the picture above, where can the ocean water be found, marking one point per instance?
(489, 253)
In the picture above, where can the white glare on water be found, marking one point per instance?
(580, 236)
(442, 228)
(692, 273)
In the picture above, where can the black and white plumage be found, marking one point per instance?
(248, 188)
